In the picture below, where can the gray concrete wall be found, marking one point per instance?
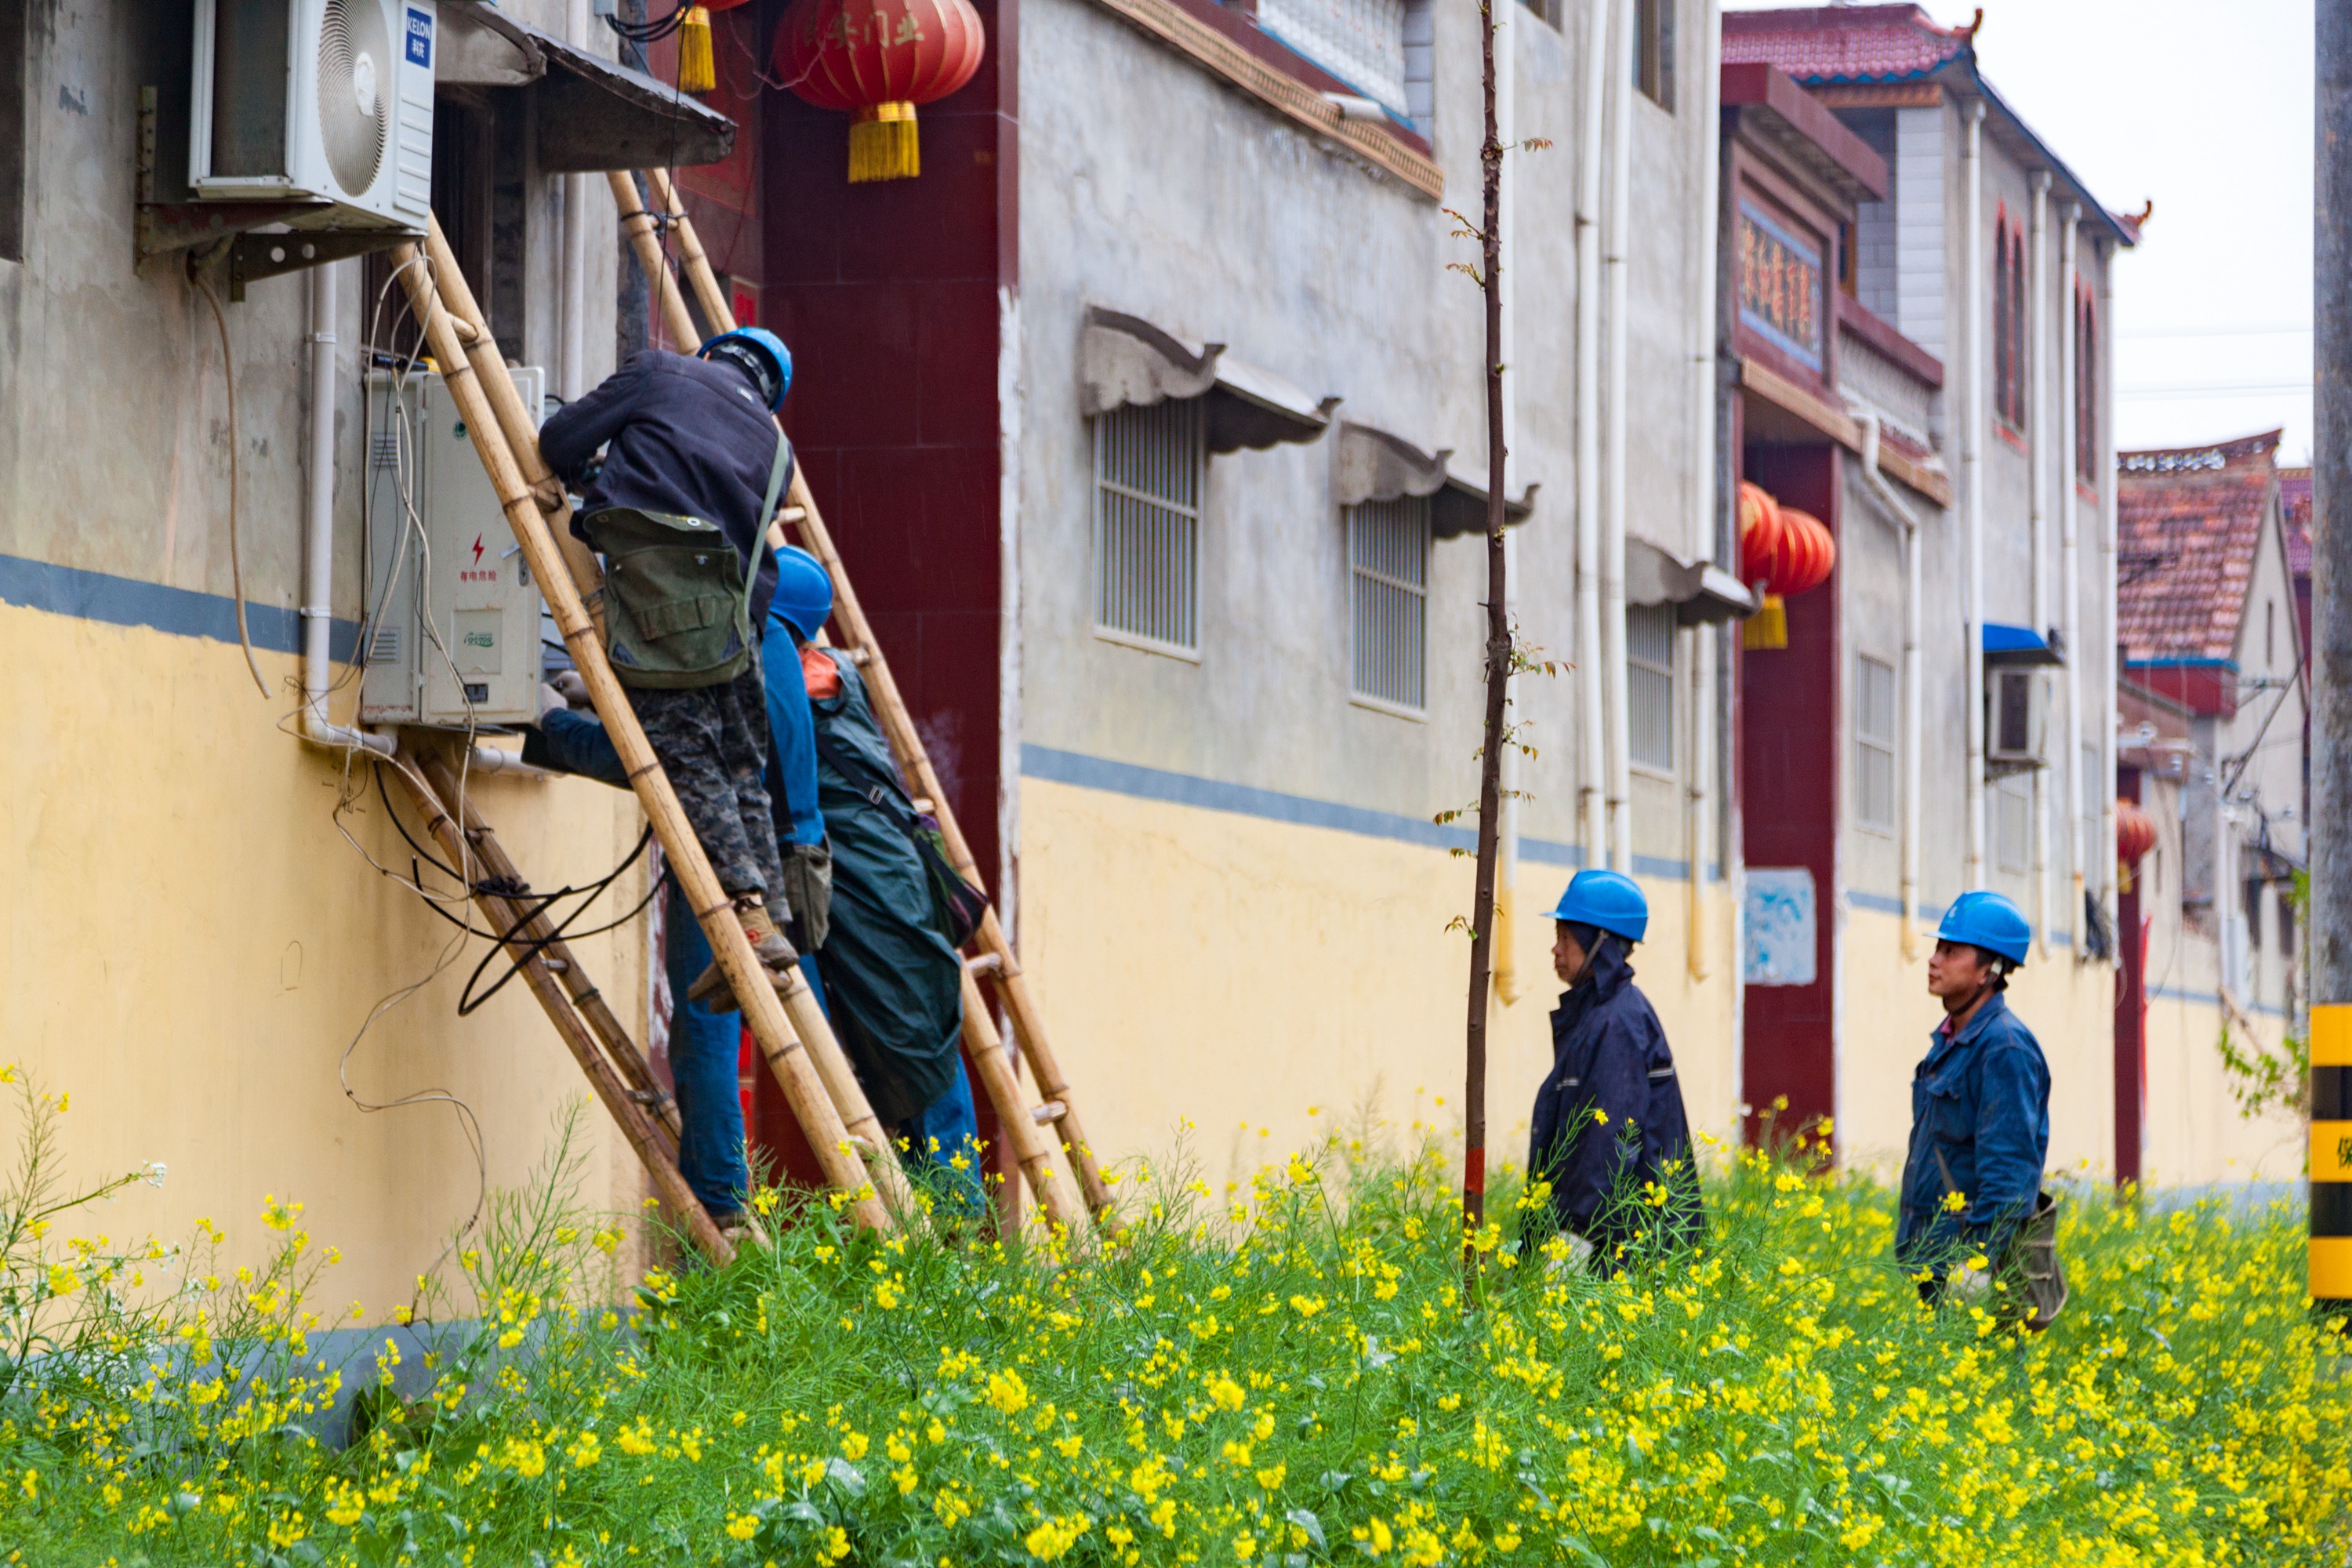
(1151, 186)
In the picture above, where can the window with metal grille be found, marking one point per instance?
(1650, 685)
(1388, 568)
(2014, 819)
(1874, 743)
(1147, 471)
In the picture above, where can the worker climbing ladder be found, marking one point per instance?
(856, 1157)
(1023, 1122)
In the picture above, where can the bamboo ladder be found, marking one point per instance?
(615, 1069)
(818, 1086)
(995, 960)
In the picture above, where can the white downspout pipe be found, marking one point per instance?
(319, 531)
(2037, 485)
(1612, 537)
(1508, 985)
(1591, 790)
(1906, 521)
(1972, 433)
(2105, 381)
(1701, 764)
(2070, 583)
(571, 338)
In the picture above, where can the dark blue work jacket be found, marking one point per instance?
(1979, 1127)
(1609, 1054)
(681, 435)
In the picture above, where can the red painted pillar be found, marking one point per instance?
(1789, 729)
(2131, 1010)
(892, 296)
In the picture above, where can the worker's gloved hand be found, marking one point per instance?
(548, 494)
(574, 690)
(808, 888)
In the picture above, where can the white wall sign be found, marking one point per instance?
(1779, 912)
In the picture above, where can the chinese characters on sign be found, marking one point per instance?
(1779, 286)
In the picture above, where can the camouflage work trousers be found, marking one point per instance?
(713, 743)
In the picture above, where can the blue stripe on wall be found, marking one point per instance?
(2210, 999)
(1085, 772)
(127, 602)
(1932, 914)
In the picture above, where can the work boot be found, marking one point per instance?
(768, 943)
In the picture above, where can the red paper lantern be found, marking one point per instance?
(2135, 834)
(1783, 550)
(877, 59)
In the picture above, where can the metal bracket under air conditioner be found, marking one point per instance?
(221, 236)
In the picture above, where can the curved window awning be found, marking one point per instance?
(1125, 360)
(1373, 465)
(1701, 593)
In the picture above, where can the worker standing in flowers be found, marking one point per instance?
(1980, 1109)
(1610, 1133)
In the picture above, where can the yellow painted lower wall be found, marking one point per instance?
(2195, 1133)
(191, 945)
(1224, 969)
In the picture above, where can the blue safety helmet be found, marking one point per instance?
(1988, 920)
(1608, 900)
(803, 592)
(759, 354)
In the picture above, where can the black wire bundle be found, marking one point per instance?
(534, 904)
(646, 32)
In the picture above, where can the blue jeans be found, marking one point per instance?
(705, 1054)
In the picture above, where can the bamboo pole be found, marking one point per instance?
(645, 237)
(536, 934)
(1012, 1108)
(693, 261)
(521, 430)
(1013, 1116)
(803, 1089)
(644, 1137)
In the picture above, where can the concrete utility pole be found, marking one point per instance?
(2331, 635)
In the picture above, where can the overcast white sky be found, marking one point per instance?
(2206, 107)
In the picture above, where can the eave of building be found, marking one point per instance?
(1957, 76)
(1798, 128)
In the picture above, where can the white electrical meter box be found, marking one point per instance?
(453, 630)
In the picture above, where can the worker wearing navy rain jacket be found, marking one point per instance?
(1980, 1101)
(1610, 1133)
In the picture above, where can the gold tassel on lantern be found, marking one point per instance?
(1768, 627)
(882, 145)
(697, 70)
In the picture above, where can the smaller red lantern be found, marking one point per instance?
(1783, 550)
(878, 60)
(2135, 836)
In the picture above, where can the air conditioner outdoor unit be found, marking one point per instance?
(2014, 734)
(453, 628)
(323, 100)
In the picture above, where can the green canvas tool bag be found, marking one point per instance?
(678, 598)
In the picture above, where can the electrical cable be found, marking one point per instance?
(236, 560)
(646, 32)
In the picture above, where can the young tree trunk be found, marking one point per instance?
(1498, 675)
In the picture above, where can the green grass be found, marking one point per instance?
(1290, 1380)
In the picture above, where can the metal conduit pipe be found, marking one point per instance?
(2069, 582)
(2102, 377)
(318, 531)
(1906, 523)
(1701, 764)
(572, 340)
(1972, 421)
(1612, 536)
(1591, 791)
(2037, 509)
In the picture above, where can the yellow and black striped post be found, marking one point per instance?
(2331, 1153)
